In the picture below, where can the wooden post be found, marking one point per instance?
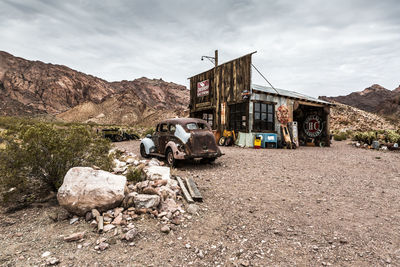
(217, 96)
(328, 132)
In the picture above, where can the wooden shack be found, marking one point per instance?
(225, 97)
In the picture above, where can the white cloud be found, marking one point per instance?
(314, 47)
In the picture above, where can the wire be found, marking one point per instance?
(265, 78)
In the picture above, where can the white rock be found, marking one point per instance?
(85, 189)
(46, 254)
(146, 201)
(157, 172)
(154, 162)
(108, 227)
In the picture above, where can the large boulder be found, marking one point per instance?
(85, 189)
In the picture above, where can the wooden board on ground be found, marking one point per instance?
(186, 194)
(194, 191)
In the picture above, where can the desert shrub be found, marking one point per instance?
(44, 153)
(134, 175)
(365, 137)
(340, 136)
(149, 131)
(392, 137)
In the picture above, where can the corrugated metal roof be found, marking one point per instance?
(287, 93)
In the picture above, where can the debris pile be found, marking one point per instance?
(152, 190)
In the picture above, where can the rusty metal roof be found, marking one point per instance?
(286, 93)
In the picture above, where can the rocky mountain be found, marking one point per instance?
(33, 87)
(344, 117)
(375, 99)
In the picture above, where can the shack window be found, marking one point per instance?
(264, 116)
(238, 117)
(209, 118)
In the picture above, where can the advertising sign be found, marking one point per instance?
(313, 126)
(203, 88)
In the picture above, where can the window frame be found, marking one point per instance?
(260, 125)
(238, 115)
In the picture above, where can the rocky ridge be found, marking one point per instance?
(29, 88)
(374, 99)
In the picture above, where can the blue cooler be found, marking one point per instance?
(269, 140)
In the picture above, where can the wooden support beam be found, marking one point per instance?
(194, 191)
(186, 194)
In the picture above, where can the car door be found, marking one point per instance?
(155, 138)
(162, 137)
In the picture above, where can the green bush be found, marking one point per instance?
(340, 136)
(134, 175)
(149, 131)
(44, 153)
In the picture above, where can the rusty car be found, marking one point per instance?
(181, 139)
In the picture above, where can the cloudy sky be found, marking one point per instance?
(310, 46)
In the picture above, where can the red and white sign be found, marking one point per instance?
(313, 126)
(203, 88)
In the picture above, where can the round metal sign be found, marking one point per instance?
(313, 126)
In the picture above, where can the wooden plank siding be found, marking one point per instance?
(231, 79)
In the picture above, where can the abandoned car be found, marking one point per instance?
(181, 139)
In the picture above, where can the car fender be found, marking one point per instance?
(148, 145)
(174, 147)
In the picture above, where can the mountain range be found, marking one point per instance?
(35, 88)
(375, 99)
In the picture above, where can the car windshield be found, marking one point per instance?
(195, 126)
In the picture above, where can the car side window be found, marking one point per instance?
(163, 127)
(172, 128)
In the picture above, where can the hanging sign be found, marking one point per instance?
(313, 126)
(282, 114)
(203, 88)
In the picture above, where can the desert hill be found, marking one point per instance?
(33, 87)
(375, 99)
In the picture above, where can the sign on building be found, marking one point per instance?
(313, 126)
(203, 88)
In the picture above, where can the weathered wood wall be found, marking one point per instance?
(231, 79)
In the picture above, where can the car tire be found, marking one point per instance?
(143, 151)
(207, 160)
(118, 138)
(221, 141)
(169, 156)
(229, 141)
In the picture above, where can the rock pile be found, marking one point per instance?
(110, 201)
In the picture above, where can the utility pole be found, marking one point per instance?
(217, 95)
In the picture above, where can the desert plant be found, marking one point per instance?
(340, 136)
(43, 152)
(149, 131)
(135, 175)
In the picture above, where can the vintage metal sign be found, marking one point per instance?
(313, 126)
(223, 111)
(203, 88)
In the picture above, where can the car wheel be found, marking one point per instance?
(143, 151)
(222, 141)
(169, 155)
(118, 138)
(229, 141)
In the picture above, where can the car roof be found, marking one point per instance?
(183, 121)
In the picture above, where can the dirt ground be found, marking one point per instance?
(336, 206)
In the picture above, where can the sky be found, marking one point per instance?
(315, 47)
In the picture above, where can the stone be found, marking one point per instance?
(159, 183)
(93, 223)
(150, 191)
(118, 219)
(88, 216)
(52, 261)
(193, 209)
(166, 192)
(108, 227)
(95, 213)
(128, 201)
(85, 189)
(130, 235)
(169, 205)
(46, 254)
(118, 211)
(146, 201)
(62, 215)
(103, 246)
(74, 237)
(165, 229)
(74, 220)
(157, 172)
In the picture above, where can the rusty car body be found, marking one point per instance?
(181, 139)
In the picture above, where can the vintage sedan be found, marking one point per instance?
(180, 139)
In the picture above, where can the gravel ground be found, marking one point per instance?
(334, 206)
